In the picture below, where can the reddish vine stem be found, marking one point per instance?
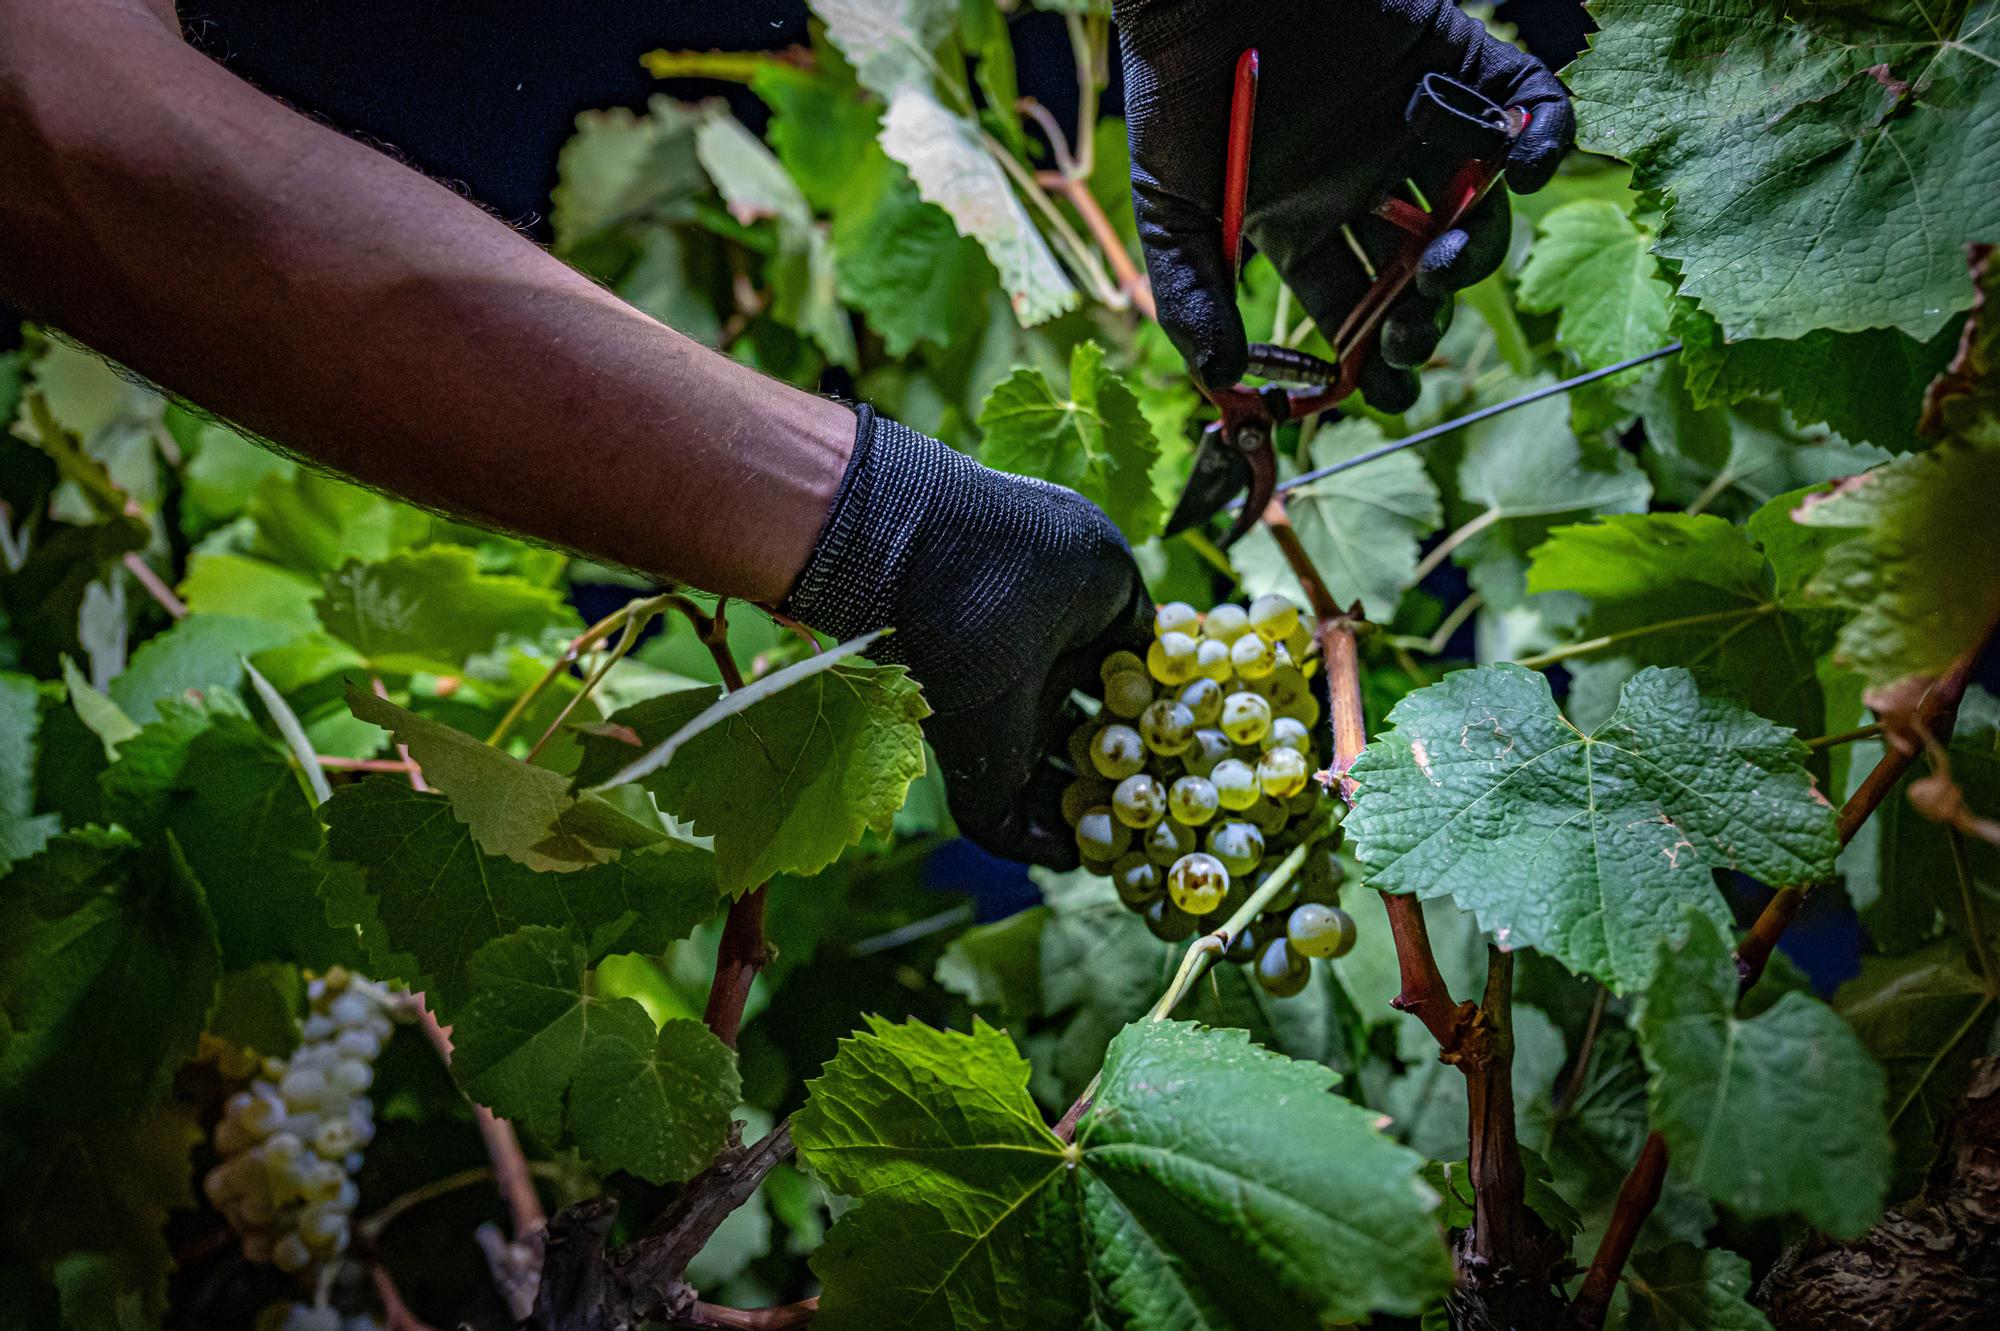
(512, 1176)
(156, 586)
(396, 1314)
(1636, 1200)
(743, 951)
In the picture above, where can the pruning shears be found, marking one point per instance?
(1236, 453)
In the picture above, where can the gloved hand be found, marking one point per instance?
(1329, 142)
(1005, 594)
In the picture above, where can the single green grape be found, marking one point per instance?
(1168, 922)
(1127, 693)
(1097, 868)
(1237, 844)
(1120, 663)
(1282, 773)
(1320, 931)
(1081, 795)
(1211, 660)
(1274, 617)
(1281, 971)
(1100, 836)
(1287, 733)
(1267, 816)
(1079, 745)
(1137, 879)
(1203, 699)
(1235, 783)
(1166, 727)
(1139, 801)
(1305, 710)
(1286, 898)
(1251, 657)
(1307, 801)
(1286, 686)
(1192, 800)
(1226, 623)
(1198, 883)
(1246, 718)
(1117, 752)
(1175, 617)
(1167, 840)
(1209, 747)
(1171, 658)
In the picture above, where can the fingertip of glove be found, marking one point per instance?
(1388, 389)
(1542, 145)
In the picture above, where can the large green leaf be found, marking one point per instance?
(621, 166)
(1823, 167)
(201, 653)
(810, 767)
(900, 261)
(432, 608)
(440, 898)
(1361, 527)
(654, 1101)
(1775, 1115)
(513, 808)
(1593, 265)
(1210, 1185)
(1693, 590)
(1926, 1017)
(107, 968)
(1589, 846)
(313, 523)
(1683, 1288)
(517, 1040)
(1921, 572)
(1094, 439)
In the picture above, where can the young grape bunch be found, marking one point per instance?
(1196, 778)
(291, 1142)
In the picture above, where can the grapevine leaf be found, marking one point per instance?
(1821, 169)
(513, 808)
(620, 166)
(1094, 440)
(430, 609)
(952, 168)
(1925, 1017)
(1683, 1288)
(99, 1189)
(825, 757)
(998, 965)
(517, 1042)
(200, 653)
(440, 898)
(900, 260)
(753, 183)
(654, 1102)
(1692, 590)
(232, 584)
(88, 924)
(1361, 527)
(1202, 1154)
(22, 830)
(1594, 265)
(1591, 846)
(313, 523)
(257, 1008)
(821, 127)
(1866, 385)
(101, 716)
(892, 44)
(1921, 572)
(1188, 1208)
(1520, 475)
(1779, 1114)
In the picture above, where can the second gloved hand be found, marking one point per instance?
(1005, 594)
(1336, 79)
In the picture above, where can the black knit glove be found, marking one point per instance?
(1005, 594)
(1330, 140)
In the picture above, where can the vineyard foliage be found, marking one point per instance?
(1624, 655)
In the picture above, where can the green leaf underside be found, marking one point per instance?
(1594, 265)
(440, 898)
(810, 767)
(512, 808)
(1361, 528)
(1587, 846)
(1693, 591)
(1095, 440)
(1776, 1115)
(1921, 572)
(1170, 1189)
(1822, 168)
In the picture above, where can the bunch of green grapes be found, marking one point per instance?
(291, 1143)
(1197, 775)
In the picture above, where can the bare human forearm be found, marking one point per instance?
(313, 290)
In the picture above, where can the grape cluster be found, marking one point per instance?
(1197, 773)
(291, 1143)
